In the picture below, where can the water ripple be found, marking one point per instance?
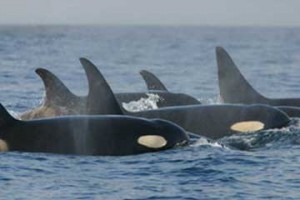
(184, 58)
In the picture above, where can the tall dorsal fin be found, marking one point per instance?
(234, 88)
(152, 82)
(56, 91)
(101, 99)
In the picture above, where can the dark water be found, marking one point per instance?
(184, 59)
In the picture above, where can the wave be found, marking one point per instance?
(269, 139)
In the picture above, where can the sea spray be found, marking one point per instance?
(149, 103)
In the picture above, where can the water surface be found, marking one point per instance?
(252, 166)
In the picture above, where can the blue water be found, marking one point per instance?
(260, 165)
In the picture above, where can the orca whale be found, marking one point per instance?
(106, 135)
(212, 121)
(155, 86)
(234, 88)
(112, 135)
(217, 121)
(59, 100)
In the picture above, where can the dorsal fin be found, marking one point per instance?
(56, 91)
(152, 82)
(6, 119)
(234, 88)
(101, 99)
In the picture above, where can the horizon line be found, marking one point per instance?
(153, 25)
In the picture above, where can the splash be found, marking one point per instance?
(207, 142)
(149, 103)
(211, 101)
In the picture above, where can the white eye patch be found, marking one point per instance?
(3, 146)
(247, 126)
(152, 141)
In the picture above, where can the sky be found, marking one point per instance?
(152, 12)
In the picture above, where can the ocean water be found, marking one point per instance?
(263, 165)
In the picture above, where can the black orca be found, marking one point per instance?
(155, 86)
(59, 100)
(113, 134)
(234, 88)
(107, 135)
(214, 121)
(152, 82)
(217, 121)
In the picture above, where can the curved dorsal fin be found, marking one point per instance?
(234, 88)
(56, 91)
(152, 82)
(100, 99)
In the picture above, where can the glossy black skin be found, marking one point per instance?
(89, 135)
(214, 121)
(234, 88)
(113, 134)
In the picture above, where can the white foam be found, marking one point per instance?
(206, 142)
(149, 103)
(211, 101)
